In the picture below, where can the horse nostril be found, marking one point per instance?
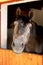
(22, 44)
(13, 44)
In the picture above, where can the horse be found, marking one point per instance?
(27, 36)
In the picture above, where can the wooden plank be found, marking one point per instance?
(8, 57)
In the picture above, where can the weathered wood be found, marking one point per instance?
(8, 57)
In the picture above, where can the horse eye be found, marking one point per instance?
(13, 44)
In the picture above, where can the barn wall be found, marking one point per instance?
(38, 16)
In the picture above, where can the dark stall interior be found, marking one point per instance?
(25, 7)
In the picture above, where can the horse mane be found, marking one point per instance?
(24, 19)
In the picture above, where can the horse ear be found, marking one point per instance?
(18, 11)
(30, 14)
